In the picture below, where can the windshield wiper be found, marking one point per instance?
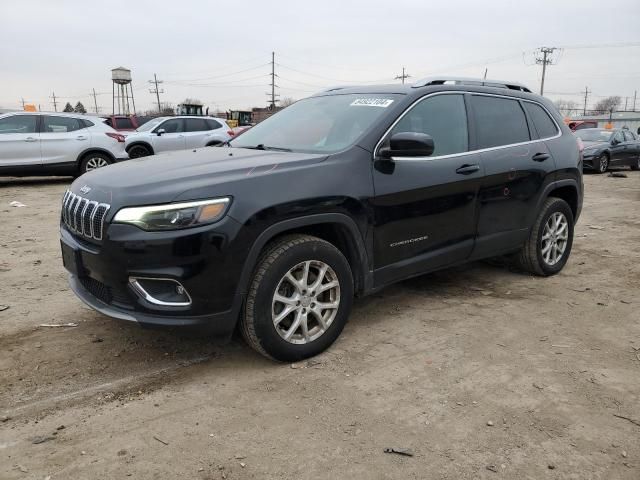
(262, 146)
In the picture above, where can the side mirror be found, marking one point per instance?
(408, 144)
(161, 131)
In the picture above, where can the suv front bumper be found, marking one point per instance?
(204, 260)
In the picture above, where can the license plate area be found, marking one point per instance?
(72, 260)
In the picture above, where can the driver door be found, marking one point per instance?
(19, 141)
(426, 207)
(172, 138)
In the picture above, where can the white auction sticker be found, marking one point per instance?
(372, 102)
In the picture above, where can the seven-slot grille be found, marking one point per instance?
(83, 216)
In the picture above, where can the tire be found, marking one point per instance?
(532, 258)
(138, 151)
(603, 163)
(93, 161)
(636, 166)
(290, 255)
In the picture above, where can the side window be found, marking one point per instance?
(499, 121)
(61, 124)
(618, 138)
(170, 126)
(213, 125)
(541, 120)
(18, 124)
(444, 118)
(124, 123)
(628, 136)
(195, 125)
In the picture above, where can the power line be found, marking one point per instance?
(402, 77)
(55, 104)
(543, 57)
(156, 90)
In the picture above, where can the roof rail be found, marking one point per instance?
(470, 81)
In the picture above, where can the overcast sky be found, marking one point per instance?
(219, 52)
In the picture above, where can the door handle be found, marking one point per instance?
(81, 137)
(540, 157)
(467, 169)
(30, 139)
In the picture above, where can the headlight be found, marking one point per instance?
(174, 215)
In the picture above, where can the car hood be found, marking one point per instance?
(171, 176)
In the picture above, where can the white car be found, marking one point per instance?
(164, 134)
(36, 143)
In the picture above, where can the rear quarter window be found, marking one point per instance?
(499, 121)
(542, 122)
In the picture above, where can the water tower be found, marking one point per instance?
(122, 91)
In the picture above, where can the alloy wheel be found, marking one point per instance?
(96, 162)
(555, 238)
(604, 163)
(305, 302)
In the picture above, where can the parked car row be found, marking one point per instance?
(606, 148)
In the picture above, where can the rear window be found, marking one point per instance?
(195, 125)
(124, 123)
(62, 124)
(499, 121)
(541, 120)
(213, 124)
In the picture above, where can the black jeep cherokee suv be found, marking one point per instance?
(337, 195)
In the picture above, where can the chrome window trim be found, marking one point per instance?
(468, 152)
(139, 289)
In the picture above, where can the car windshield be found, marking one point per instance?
(150, 124)
(325, 124)
(594, 135)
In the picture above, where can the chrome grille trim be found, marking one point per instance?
(83, 216)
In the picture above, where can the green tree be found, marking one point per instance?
(79, 108)
(68, 108)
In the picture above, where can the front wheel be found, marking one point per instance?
(547, 249)
(636, 165)
(299, 299)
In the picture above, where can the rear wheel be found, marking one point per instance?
(636, 166)
(603, 163)
(137, 151)
(299, 299)
(549, 244)
(93, 161)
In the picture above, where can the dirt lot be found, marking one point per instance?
(482, 372)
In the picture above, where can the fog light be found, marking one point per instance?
(165, 292)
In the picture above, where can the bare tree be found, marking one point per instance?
(608, 104)
(286, 101)
(566, 107)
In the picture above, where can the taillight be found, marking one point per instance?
(231, 132)
(116, 136)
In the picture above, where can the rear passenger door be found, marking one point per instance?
(632, 148)
(517, 166)
(196, 132)
(62, 139)
(619, 149)
(425, 207)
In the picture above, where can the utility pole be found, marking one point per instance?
(95, 101)
(403, 76)
(55, 104)
(635, 94)
(22, 100)
(485, 73)
(272, 104)
(156, 90)
(586, 96)
(543, 57)
(626, 100)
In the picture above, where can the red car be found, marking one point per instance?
(126, 123)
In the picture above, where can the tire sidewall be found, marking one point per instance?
(269, 338)
(141, 147)
(562, 207)
(600, 170)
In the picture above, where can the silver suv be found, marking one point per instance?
(35, 143)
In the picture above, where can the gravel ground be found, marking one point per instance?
(480, 371)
